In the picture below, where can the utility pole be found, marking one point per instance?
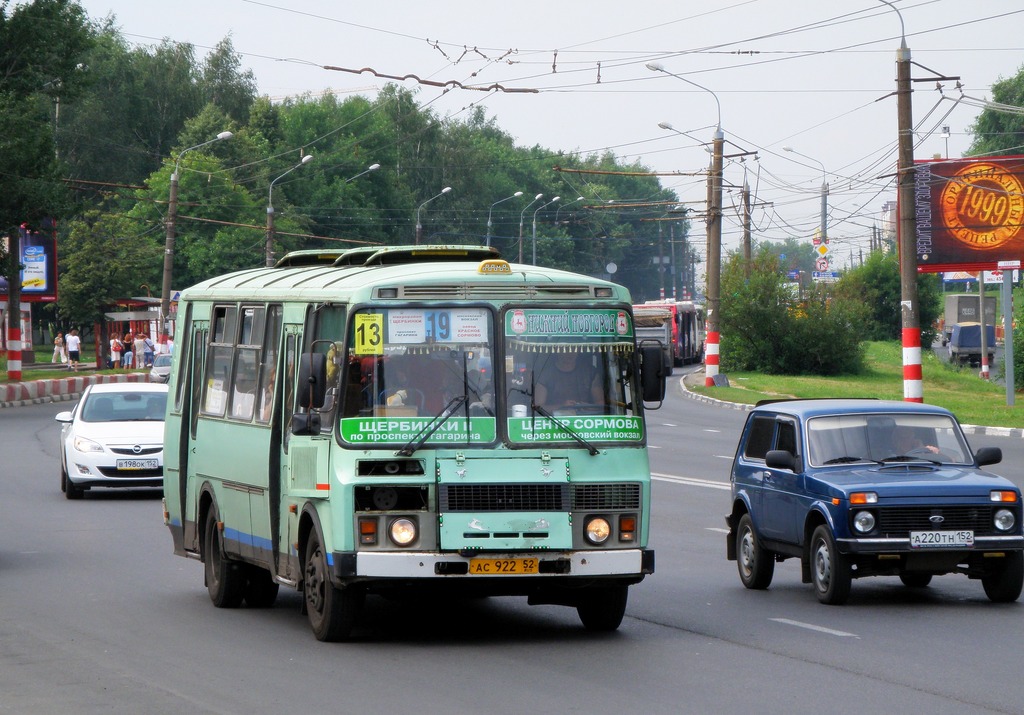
(746, 226)
(913, 389)
(672, 259)
(661, 266)
(714, 259)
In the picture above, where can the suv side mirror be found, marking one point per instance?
(780, 459)
(988, 455)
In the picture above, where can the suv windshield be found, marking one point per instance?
(887, 438)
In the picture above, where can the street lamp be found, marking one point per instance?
(579, 198)
(419, 226)
(945, 135)
(507, 198)
(367, 170)
(824, 192)
(535, 226)
(714, 235)
(269, 248)
(522, 213)
(172, 216)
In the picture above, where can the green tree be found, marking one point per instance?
(998, 132)
(225, 84)
(766, 328)
(876, 285)
(103, 259)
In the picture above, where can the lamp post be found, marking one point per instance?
(945, 135)
(579, 198)
(419, 226)
(714, 235)
(172, 216)
(522, 213)
(535, 226)
(269, 248)
(824, 192)
(507, 198)
(367, 170)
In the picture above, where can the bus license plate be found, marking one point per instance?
(941, 539)
(502, 567)
(128, 465)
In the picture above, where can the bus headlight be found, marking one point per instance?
(863, 521)
(1004, 520)
(597, 530)
(402, 531)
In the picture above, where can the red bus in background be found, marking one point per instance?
(688, 330)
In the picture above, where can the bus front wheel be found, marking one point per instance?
(331, 611)
(602, 608)
(225, 579)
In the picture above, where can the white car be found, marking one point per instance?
(161, 371)
(114, 437)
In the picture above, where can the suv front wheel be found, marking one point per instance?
(830, 570)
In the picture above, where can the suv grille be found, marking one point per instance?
(900, 521)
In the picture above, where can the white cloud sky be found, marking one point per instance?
(802, 73)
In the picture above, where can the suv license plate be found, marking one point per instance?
(128, 465)
(941, 539)
(500, 567)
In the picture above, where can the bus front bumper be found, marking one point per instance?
(621, 563)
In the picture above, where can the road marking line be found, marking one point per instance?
(715, 528)
(668, 424)
(690, 481)
(812, 627)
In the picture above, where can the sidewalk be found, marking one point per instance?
(62, 387)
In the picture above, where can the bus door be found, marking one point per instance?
(306, 458)
(181, 431)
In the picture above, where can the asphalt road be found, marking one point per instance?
(98, 616)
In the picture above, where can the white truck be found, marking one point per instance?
(963, 308)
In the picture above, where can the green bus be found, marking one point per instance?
(373, 420)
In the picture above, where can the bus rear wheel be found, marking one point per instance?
(602, 608)
(225, 580)
(331, 610)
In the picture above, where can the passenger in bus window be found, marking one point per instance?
(243, 399)
(565, 380)
(267, 391)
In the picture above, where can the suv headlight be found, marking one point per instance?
(863, 521)
(1004, 520)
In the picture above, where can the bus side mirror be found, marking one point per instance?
(652, 371)
(312, 387)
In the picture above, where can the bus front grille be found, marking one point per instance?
(504, 497)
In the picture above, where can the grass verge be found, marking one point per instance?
(971, 399)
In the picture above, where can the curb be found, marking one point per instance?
(1015, 432)
(39, 392)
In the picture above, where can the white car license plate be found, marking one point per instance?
(941, 539)
(129, 465)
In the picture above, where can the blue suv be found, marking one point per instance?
(857, 488)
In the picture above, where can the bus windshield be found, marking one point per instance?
(568, 376)
(407, 365)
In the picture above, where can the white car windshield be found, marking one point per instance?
(124, 407)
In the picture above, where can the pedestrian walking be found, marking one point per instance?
(58, 350)
(74, 345)
(148, 350)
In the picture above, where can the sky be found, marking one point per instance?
(817, 77)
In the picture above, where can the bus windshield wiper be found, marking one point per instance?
(431, 427)
(590, 448)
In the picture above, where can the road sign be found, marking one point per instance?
(821, 249)
(821, 264)
(825, 276)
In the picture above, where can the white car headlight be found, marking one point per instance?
(87, 445)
